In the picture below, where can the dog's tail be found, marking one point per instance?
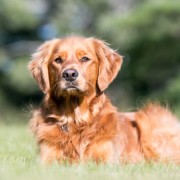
(159, 133)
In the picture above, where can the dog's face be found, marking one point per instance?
(74, 66)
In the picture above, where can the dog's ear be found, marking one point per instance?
(38, 66)
(109, 63)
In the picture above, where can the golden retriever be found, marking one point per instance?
(76, 122)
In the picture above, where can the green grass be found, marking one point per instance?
(18, 160)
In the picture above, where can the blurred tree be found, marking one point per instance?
(80, 16)
(147, 33)
(21, 21)
(149, 38)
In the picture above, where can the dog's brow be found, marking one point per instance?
(63, 54)
(80, 52)
(56, 48)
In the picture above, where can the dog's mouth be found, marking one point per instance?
(71, 88)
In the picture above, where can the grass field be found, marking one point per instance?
(18, 160)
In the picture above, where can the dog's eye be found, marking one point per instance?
(85, 59)
(58, 60)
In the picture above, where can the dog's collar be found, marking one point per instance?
(65, 128)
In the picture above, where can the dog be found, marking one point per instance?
(76, 121)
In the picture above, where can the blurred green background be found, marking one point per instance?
(145, 32)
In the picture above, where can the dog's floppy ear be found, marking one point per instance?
(38, 66)
(109, 63)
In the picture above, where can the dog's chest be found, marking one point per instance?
(75, 141)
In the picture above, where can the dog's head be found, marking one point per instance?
(74, 66)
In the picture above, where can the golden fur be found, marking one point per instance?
(77, 122)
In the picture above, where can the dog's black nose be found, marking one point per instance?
(70, 74)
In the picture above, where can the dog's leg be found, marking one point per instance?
(104, 152)
(145, 131)
(49, 153)
(160, 131)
